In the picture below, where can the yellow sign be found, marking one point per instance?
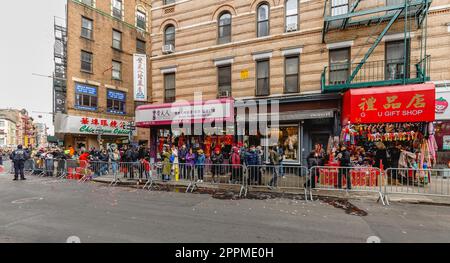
(244, 74)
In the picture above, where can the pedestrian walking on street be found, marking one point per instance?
(19, 157)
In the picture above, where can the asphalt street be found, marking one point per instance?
(48, 210)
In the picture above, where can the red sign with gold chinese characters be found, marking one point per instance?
(410, 103)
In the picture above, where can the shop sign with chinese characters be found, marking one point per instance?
(140, 77)
(412, 103)
(88, 125)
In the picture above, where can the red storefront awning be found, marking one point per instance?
(410, 103)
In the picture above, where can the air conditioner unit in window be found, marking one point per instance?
(291, 27)
(167, 49)
(224, 94)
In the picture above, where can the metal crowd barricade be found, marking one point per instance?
(93, 169)
(348, 179)
(277, 177)
(227, 176)
(28, 167)
(6, 167)
(410, 181)
(51, 167)
(125, 171)
(39, 166)
(154, 175)
(77, 170)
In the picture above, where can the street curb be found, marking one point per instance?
(349, 196)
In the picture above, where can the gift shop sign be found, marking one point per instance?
(89, 125)
(411, 103)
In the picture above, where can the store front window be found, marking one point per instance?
(288, 140)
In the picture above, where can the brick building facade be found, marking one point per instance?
(102, 38)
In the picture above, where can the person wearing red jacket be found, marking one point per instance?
(84, 157)
(236, 171)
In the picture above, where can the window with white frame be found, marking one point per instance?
(116, 70)
(339, 7)
(291, 15)
(86, 27)
(88, 2)
(117, 39)
(224, 28)
(86, 61)
(141, 20)
(168, 2)
(263, 20)
(117, 9)
(169, 35)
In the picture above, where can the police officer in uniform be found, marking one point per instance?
(19, 157)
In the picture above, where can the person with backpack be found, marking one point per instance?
(19, 157)
(251, 161)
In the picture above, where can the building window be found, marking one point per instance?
(263, 78)
(116, 70)
(2, 124)
(85, 97)
(168, 2)
(86, 61)
(291, 74)
(169, 87)
(169, 35)
(291, 15)
(117, 40)
(395, 60)
(115, 102)
(339, 7)
(224, 81)
(225, 28)
(288, 139)
(141, 20)
(117, 9)
(140, 46)
(86, 27)
(339, 65)
(88, 2)
(263, 20)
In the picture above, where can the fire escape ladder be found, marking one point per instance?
(352, 9)
(374, 45)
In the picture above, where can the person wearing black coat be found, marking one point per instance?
(381, 156)
(344, 158)
(217, 160)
